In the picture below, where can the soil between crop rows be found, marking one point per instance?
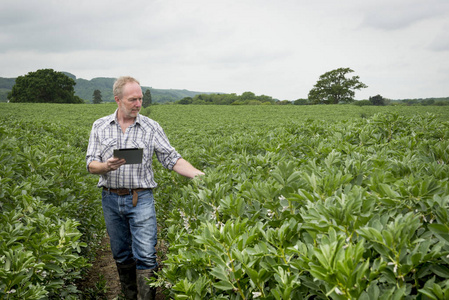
(104, 269)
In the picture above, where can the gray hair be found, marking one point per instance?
(120, 83)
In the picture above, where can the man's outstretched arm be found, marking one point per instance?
(184, 168)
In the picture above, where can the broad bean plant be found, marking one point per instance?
(312, 209)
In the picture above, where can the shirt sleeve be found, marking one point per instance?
(165, 153)
(93, 148)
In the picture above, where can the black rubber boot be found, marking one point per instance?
(127, 274)
(145, 292)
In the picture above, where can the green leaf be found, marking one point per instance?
(373, 291)
(253, 275)
(224, 285)
(438, 291)
(399, 293)
(440, 270)
(416, 258)
(388, 237)
(219, 272)
(440, 230)
(388, 191)
(294, 177)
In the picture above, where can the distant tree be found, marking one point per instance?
(362, 103)
(146, 98)
(265, 98)
(377, 100)
(97, 97)
(198, 102)
(45, 85)
(199, 97)
(284, 102)
(411, 102)
(428, 102)
(185, 100)
(229, 98)
(334, 88)
(248, 96)
(253, 102)
(301, 102)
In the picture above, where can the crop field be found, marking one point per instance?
(298, 202)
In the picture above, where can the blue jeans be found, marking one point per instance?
(132, 230)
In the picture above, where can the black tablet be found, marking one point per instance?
(131, 155)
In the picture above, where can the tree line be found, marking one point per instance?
(146, 100)
(246, 98)
(333, 87)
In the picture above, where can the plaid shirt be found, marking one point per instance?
(107, 135)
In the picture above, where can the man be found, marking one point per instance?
(127, 196)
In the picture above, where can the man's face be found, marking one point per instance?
(131, 102)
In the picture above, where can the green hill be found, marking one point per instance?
(6, 85)
(85, 89)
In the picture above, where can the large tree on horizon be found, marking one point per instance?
(44, 86)
(96, 97)
(333, 87)
(147, 101)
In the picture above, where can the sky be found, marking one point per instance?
(278, 48)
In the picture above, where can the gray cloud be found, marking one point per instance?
(441, 41)
(274, 48)
(100, 25)
(394, 15)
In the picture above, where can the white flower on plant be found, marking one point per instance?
(187, 226)
(257, 294)
(284, 208)
(395, 266)
(214, 212)
(185, 219)
(337, 290)
(270, 213)
(220, 224)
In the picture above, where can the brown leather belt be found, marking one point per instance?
(122, 192)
